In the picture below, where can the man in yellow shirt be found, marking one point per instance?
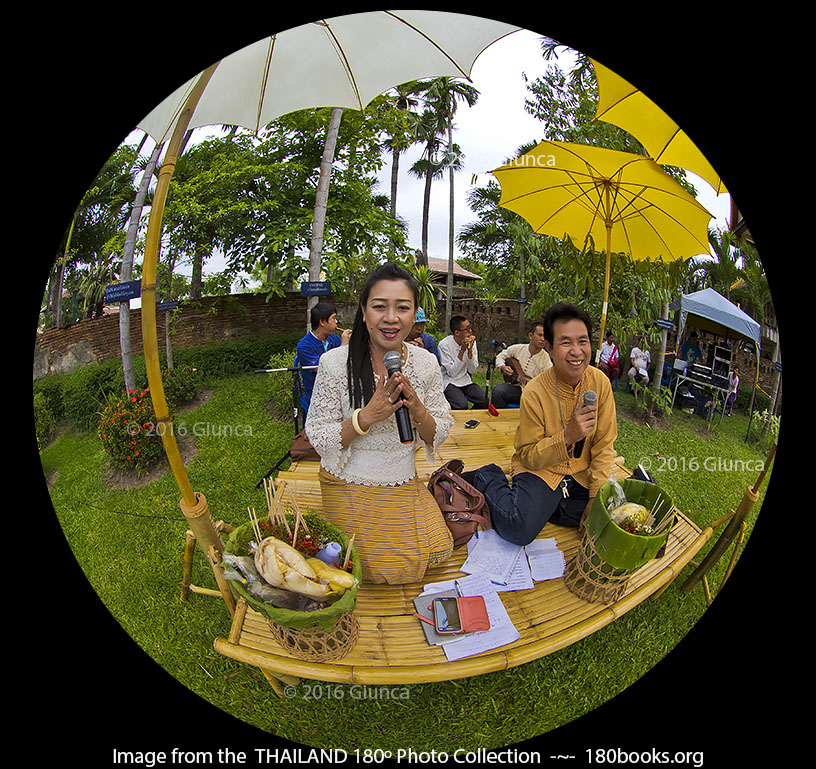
(564, 450)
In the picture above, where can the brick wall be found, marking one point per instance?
(219, 318)
(211, 319)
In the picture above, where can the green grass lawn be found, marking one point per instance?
(129, 543)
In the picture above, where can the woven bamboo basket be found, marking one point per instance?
(608, 556)
(320, 623)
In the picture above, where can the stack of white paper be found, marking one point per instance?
(492, 556)
(511, 567)
(545, 559)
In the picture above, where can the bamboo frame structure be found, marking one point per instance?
(193, 505)
(734, 529)
(392, 648)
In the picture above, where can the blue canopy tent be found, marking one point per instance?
(711, 311)
(708, 310)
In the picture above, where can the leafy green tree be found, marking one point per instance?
(99, 216)
(566, 104)
(216, 199)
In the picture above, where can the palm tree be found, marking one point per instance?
(425, 286)
(752, 291)
(444, 95)
(503, 236)
(402, 137)
(92, 286)
(429, 127)
(722, 272)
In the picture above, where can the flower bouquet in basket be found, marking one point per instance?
(273, 565)
(627, 526)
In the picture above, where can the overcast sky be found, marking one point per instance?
(488, 134)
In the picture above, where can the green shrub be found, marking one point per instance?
(86, 390)
(128, 432)
(80, 396)
(180, 385)
(743, 401)
(44, 421)
(50, 388)
(280, 385)
(234, 357)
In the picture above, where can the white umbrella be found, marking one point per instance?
(345, 61)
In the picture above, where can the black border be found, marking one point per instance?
(720, 73)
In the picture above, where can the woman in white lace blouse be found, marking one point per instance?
(367, 476)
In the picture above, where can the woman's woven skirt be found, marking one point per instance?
(399, 530)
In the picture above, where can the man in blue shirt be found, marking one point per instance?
(418, 337)
(690, 351)
(321, 338)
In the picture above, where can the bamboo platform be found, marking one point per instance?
(391, 647)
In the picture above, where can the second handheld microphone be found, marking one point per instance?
(393, 362)
(590, 399)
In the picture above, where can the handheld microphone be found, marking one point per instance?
(393, 362)
(590, 399)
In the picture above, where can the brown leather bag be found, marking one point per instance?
(463, 507)
(302, 448)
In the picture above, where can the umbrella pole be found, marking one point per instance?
(606, 282)
(194, 506)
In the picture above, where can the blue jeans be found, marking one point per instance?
(505, 393)
(519, 512)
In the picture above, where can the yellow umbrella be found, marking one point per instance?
(625, 106)
(624, 200)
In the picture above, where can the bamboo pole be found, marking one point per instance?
(733, 528)
(226, 593)
(205, 591)
(722, 544)
(192, 505)
(608, 225)
(189, 547)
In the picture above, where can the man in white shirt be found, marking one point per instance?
(532, 359)
(460, 359)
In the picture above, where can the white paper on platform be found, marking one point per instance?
(501, 632)
(545, 559)
(492, 556)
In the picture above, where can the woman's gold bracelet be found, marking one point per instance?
(359, 430)
(424, 417)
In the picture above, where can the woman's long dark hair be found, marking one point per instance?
(359, 368)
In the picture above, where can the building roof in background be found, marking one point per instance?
(440, 266)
